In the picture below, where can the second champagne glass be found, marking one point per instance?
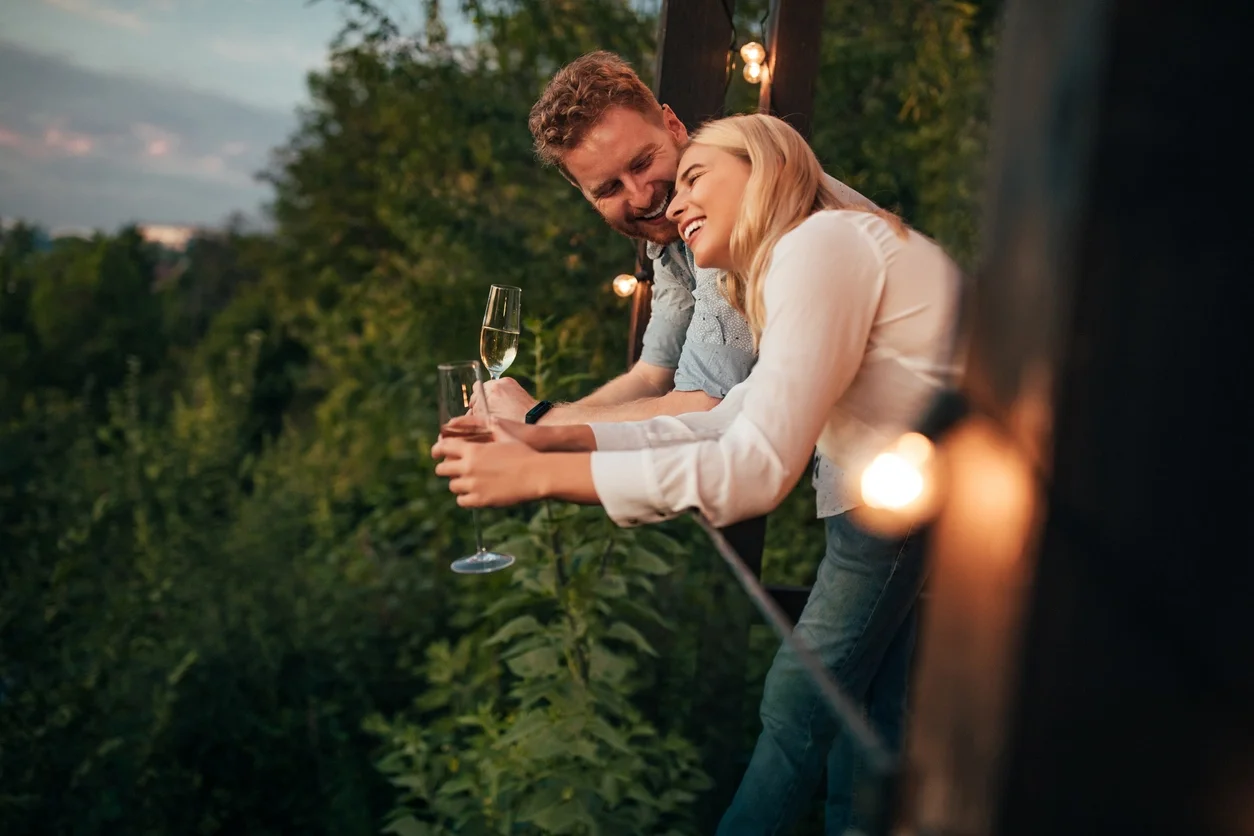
(498, 341)
(457, 391)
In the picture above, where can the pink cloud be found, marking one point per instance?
(9, 139)
(101, 13)
(155, 141)
(68, 142)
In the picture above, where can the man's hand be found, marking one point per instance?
(507, 399)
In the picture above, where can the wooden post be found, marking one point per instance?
(1086, 656)
(792, 61)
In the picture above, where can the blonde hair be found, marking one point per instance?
(786, 185)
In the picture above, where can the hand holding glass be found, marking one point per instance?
(460, 383)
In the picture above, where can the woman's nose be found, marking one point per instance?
(678, 204)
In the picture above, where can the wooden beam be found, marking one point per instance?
(691, 77)
(793, 39)
(694, 37)
(1085, 661)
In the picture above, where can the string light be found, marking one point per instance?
(905, 483)
(625, 284)
(898, 477)
(754, 56)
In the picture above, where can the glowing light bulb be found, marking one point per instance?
(753, 53)
(898, 476)
(753, 72)
(625, 284)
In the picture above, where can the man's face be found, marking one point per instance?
(626, 166)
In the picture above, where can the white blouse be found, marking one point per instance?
(859, 337)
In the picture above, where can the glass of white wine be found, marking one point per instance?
(498, 341)
(458, 382)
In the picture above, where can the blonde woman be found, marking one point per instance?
(853, 314)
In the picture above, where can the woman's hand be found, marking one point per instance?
(503, 471)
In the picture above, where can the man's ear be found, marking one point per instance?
(674, 125)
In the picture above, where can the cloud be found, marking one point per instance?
(85, 148)
(267, 52)
(101, 13)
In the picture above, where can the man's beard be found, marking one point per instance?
(664, 232)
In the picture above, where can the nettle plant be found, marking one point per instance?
(531, 721)
(533, 729)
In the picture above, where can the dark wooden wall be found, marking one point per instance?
(1088, 656)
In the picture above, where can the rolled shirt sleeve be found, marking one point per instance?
(671, 309)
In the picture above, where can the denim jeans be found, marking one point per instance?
(860, 622)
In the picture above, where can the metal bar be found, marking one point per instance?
(877, 756)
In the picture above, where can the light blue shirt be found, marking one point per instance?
(693, 329)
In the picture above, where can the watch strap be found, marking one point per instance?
(537, 412)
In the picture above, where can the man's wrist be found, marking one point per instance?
(537, 412)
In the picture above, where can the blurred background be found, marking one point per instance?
(237, 239)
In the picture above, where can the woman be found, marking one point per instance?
(853, 315)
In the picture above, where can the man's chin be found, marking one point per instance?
(661, 234)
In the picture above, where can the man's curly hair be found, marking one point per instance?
(579, 95)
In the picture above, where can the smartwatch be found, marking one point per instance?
(537, 412)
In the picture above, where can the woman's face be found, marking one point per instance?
(708, 194)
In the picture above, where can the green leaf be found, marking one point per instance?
(563, 818)
(409, 826)
(623, 631)
(646, 561)
(520, 626)
(603, 731)
(543, 661)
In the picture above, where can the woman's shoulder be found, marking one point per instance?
(843, 228)
(833, 222)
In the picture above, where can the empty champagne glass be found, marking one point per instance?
(457, 390)
(498, 341)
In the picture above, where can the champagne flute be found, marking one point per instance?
(498, 341)
(458, 382)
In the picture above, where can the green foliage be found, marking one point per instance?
(532, 729)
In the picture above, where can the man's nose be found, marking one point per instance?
(639, 195)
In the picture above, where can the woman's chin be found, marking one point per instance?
(703, 258)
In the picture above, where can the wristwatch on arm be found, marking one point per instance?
(537, 412)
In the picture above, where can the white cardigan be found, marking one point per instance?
(858, 338)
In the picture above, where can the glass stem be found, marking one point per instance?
(474, 513)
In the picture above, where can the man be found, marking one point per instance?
(603, 129)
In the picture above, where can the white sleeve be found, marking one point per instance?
(665, 430)
(821, 291)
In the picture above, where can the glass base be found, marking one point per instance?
(482, 563)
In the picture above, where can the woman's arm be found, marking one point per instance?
(822, 293)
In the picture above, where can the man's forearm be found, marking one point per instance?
(672, 403)
(643, 381)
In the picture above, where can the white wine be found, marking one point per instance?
(498, 349)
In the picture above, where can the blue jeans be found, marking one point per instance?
(860, 622)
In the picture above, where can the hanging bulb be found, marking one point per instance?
(753, 53)
(899, 476)
(753, 72)
(625, 284)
